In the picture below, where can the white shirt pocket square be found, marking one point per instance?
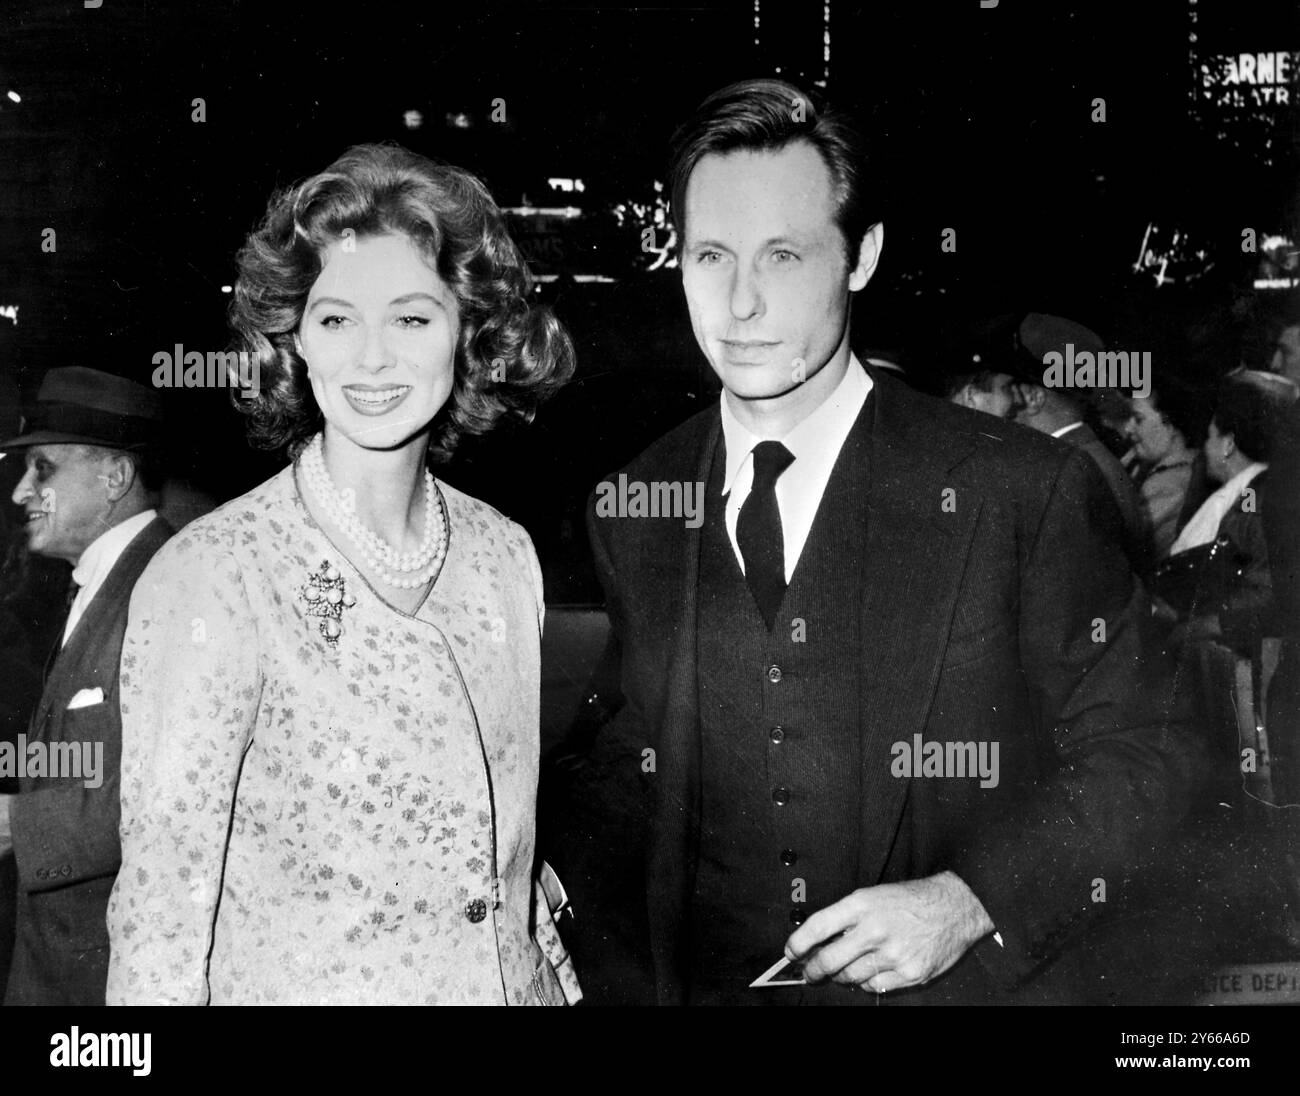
(85, 698)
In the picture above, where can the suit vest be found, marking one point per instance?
(779, 735)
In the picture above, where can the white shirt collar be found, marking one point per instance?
(815, 444)
(1204, 524)
(98, 560)
(822, 433)
(1066, 429)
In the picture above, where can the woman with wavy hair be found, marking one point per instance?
(330, 686)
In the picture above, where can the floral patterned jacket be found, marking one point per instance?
(317, 819)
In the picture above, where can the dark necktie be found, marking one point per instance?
(758, 530)
(57, 646)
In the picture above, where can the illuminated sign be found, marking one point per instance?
(1279, 264)
(1241, 80)
(1171, 255)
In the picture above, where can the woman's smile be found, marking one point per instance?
(369, 399)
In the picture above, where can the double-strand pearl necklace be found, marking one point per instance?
(406, 571)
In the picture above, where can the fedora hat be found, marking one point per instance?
(984, 345)
(79, 405)
(1039, 334)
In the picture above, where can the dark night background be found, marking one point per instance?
(981, 119)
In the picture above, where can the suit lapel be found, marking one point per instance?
(918, 541)
(67, 673)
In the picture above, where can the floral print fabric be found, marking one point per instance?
(307, 823)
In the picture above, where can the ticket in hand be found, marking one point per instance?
(784, 972)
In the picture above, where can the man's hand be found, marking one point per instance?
(892, 936)
(6, 834)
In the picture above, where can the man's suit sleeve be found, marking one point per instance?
(68, 833)
(1121, 760)
(611, 662)
(625, 724)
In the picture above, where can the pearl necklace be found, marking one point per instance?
(406, 571)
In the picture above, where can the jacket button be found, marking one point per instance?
(774, 675)
(780, 796)
(789, 857)
(476, 910)
(777, 735)
(66, 869)
(798, 916)
(41, 873)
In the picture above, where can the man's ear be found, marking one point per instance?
(868, 257)
(120, 476)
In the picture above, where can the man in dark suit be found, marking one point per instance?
(886, 691)
(1059, 412)
(88, 496)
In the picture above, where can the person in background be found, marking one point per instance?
(988, 390)
(979, 367)
(1163, 429)
(1279, 504)
(1286, 353)
(32, 592)
(331, 685)
(1059, 413)
(32, 602)
(88, 497)
(1239, 442)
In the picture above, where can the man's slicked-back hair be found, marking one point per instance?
(766, 116)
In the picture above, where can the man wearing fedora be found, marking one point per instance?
(1059, 413)
(889, 702)
(88, 497)
(974, 370)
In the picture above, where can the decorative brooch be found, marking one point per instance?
(326, 598)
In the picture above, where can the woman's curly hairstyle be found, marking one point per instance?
(510, 356)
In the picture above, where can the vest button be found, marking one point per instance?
(789, 857)
(780, 796)
(774, 675)
(798, 916)
(476, 910)
(777, 735)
